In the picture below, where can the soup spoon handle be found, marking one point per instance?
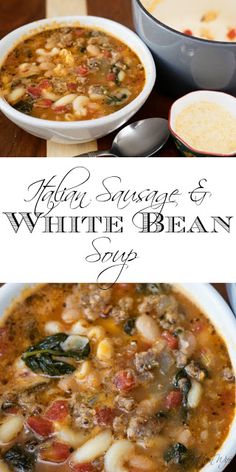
(106, 153)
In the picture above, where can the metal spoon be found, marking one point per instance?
(141, 139)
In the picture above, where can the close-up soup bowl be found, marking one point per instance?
(185, 62)
(197, 299)
(85, 130)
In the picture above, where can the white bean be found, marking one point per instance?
(121, 76)
(140, 462)
(187, 343)
(117, 455)
(80, 105)
(66, 100)
(93, 448)
(49, 95)
(16, 94)
(195, 394)
(93, 50)
(70, 314)
(148, 328)
(10, 428)
(184, 436)
(53, 327)
(70, 437)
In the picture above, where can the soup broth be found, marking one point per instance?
(94, 379)
(206, 19)
(70, 74)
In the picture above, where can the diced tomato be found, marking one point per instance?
(88, 467)
(188, 32)
(44, 84)
(56, 452)
(72, 86)
(125, 380)
(105, 416)
(44, 103)
(4, 341)
(35, 92)
(61, 109)
(111, 77)
(79, 32)
(82, 70)
(232, 34)
(41, 426)
(107, 54)
(12, 410)
(58, 411)
(172, 341)
(174, 399)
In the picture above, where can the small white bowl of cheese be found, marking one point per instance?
(203, 123)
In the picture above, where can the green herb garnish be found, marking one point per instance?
(42, 357)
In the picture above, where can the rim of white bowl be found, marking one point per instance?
(177, 136)
(149, 66)
(193, 38)
(202, 291)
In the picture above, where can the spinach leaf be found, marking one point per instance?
(176, 454)
(19, 459)
(42, 357)
(25, 106)
(114, 100)
(129, 326)
(183, 383)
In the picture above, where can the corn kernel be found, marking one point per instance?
(105, 350)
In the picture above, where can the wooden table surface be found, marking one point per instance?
(15, 142)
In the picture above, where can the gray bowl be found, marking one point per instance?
(186, 63)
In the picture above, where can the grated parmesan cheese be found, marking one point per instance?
(207, 127)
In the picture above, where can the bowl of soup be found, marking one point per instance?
(134, 377)
(73, 79)
(194, 42)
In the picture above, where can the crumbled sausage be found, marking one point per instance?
(145, 361)
(92, 301)
(142, 428)
(121, 311)
(66, 39)
(83, 416)
(125, 403)
(195, 371)
(59, 85)
(181, 359)
(120, 424)
(169, 321)
(158, 305)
